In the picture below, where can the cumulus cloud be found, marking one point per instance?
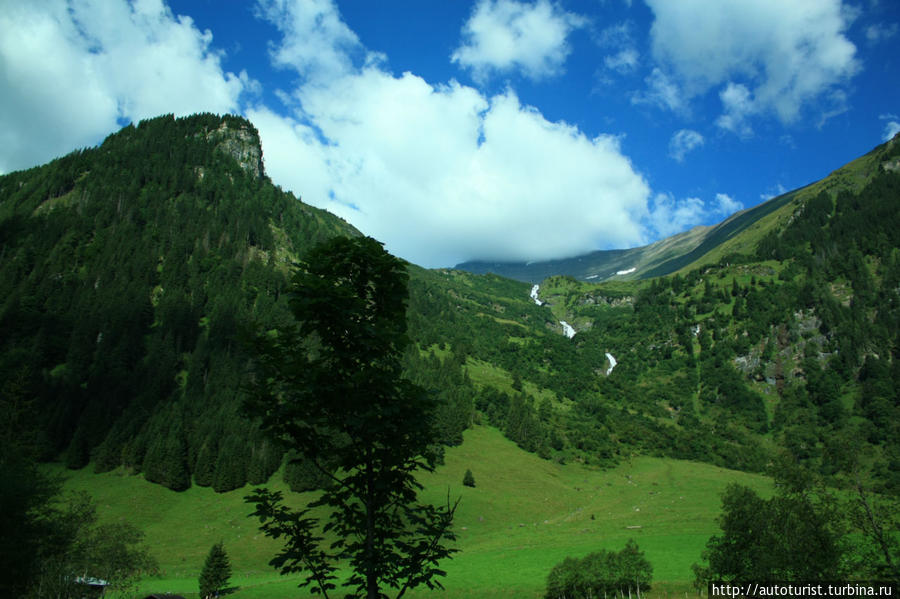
(71, 73)
(442, 173)
(506, 35)
(891, 126)
(669, 216)
(318, 43)
(765, 56)
(682, 142)
(738, 106)
(726, 205)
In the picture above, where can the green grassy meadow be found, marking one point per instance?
(524, 516)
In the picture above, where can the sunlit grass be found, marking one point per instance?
(524, 516)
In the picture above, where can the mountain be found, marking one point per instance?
(127, 275)
(601, 265)
(130, 272)
(690, 249)
(777, 332)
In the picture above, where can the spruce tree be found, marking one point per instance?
(216, 572)
(469, 479)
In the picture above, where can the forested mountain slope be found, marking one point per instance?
(127, 273)
(130, 277)
(130, 272)
(787, 341)
(791, 346)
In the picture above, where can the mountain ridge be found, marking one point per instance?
(688, 248)
(130, 273)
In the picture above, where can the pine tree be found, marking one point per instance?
(469, 479)
(216, 572)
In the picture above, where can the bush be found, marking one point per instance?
(469, 479)
(601, 574)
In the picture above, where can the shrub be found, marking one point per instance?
(601, 574)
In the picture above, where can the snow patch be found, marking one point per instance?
(626, 272)
(567, 329)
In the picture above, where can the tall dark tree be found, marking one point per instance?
(331, 389)
(47, 536)
(792, 536)
(216, 572)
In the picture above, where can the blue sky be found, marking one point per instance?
(491, 129)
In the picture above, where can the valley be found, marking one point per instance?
(524, 515)
(135, 278)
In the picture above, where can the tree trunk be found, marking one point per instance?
(371, 575)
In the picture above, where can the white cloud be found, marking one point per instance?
(738, 106)
(71, 72)
(616, 35)
(784, 55)
(773, 192)
(891, 128)
(619, 39)
(682, 142)
(669, 216)
(661, 91)
(507, 35)
(443, 174)
(726, 205)
(625, 61)
(317, 43)
(880, 32)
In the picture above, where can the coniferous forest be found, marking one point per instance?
(133, 276)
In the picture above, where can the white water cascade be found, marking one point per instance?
(612, 363)
(534, 295)
(567, 328)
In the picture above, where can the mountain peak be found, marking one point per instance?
(233, 135)
(238, 138)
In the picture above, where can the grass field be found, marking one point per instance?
(524, 516)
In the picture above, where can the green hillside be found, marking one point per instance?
(524, 515)
(132, 274)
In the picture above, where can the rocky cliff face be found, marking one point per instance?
(242, 143)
